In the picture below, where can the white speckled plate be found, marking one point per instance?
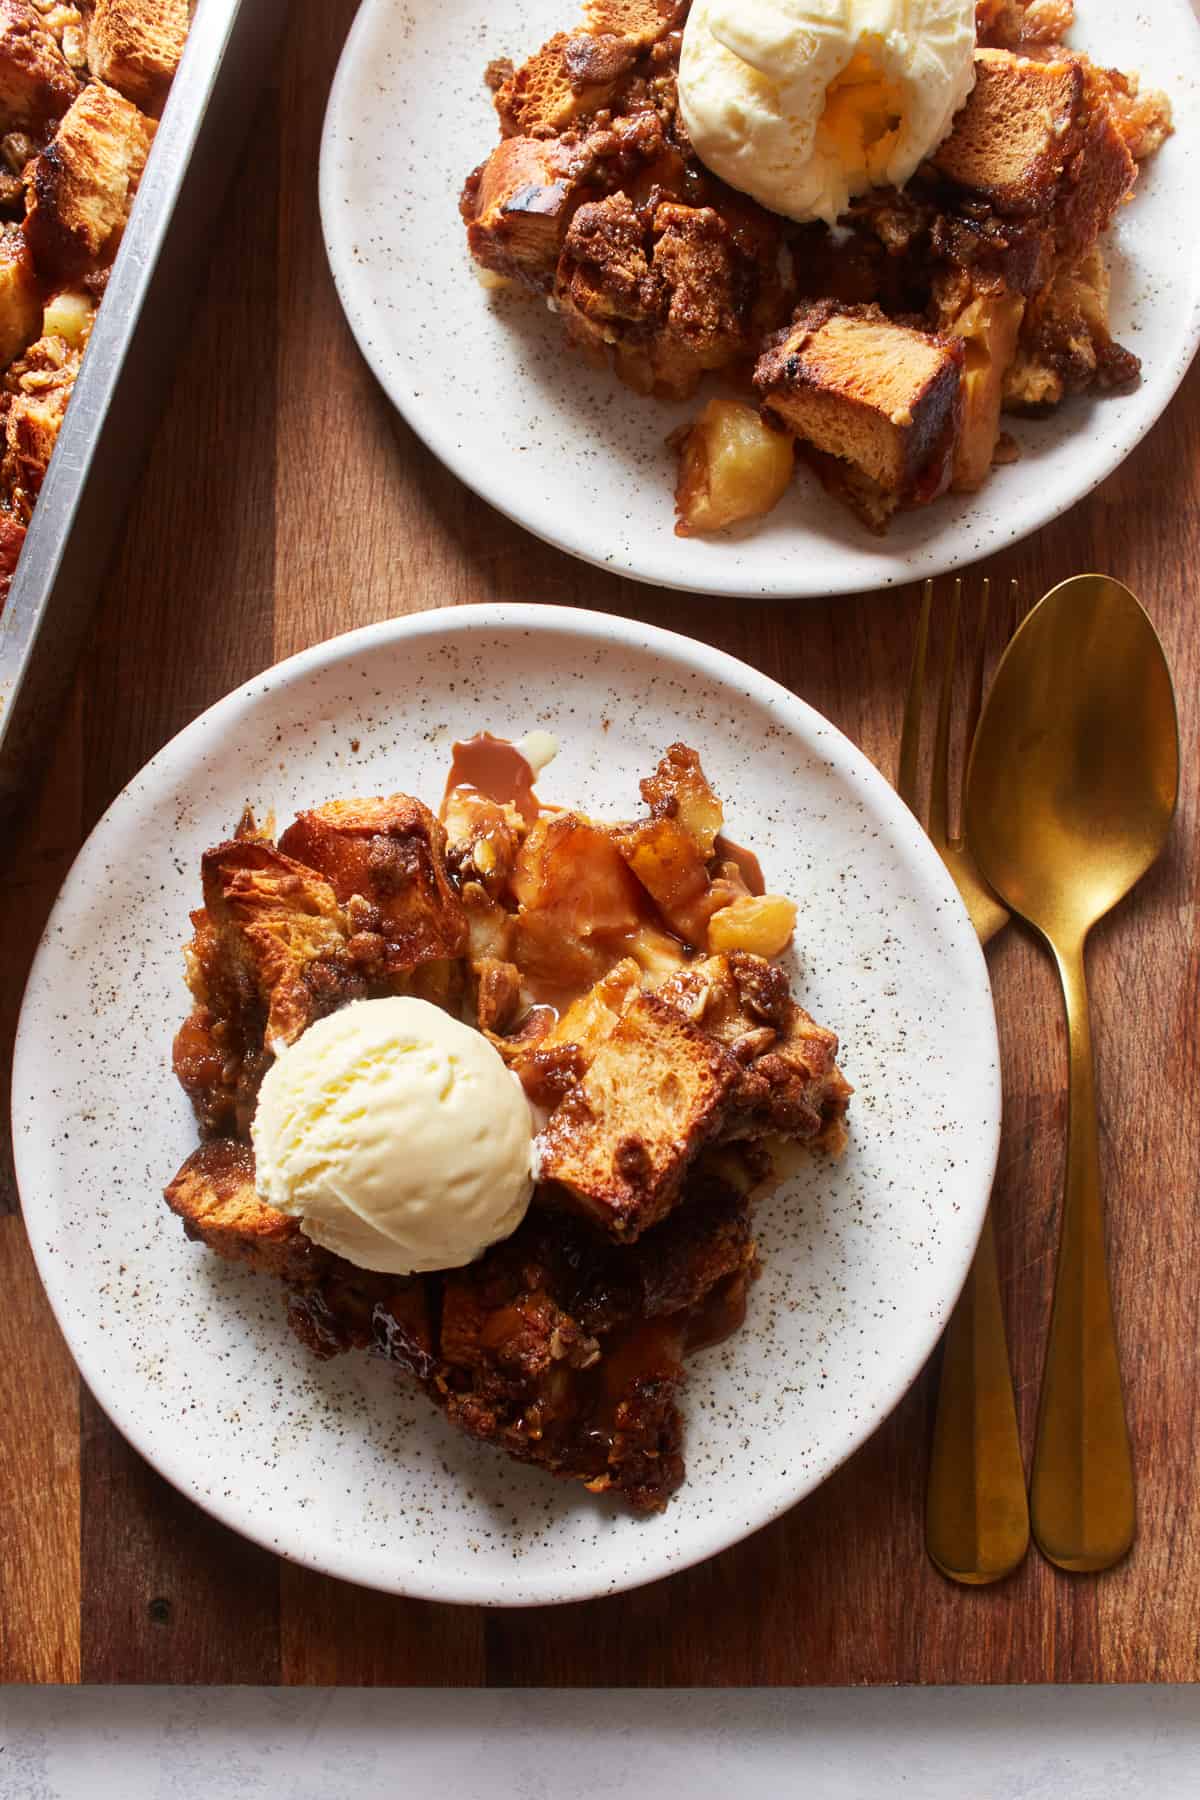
(487, 381)
(341, 1465)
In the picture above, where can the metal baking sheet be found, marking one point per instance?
(124, 374)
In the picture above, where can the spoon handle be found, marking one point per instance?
(1082, 1502)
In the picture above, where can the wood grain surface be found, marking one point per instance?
(284, 503)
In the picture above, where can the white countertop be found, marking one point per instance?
(828, 1744)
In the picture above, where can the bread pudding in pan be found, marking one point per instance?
(881, 344)
(623, 980)
(82, 85)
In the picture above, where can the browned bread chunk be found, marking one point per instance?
(277, 930)
(566, 81)
(1035, 138)
(215, 1196)
(621, 1141)
(642, 22)
(1013, 136)
(36, 81)
(1066, 346)
(576, 73)
(391, 854)
(686, 293)
(789, 1083)
(567, 1350)
(39, 387)
(135, 46)
(517, 208)
(878, 396)
(84, 182)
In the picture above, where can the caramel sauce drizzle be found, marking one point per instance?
(495, 769)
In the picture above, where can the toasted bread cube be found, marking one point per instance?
(621, 1141)
(20, 298)
(878, 396)
(1038, 138)
(1065, 344)
(568, 79)
(275, 920)
(517, 208)
(789, 1085)
(135, 46)
(391, 853)
(687, 290)
(215, 1196)
(84, 183)
(1011, 137)
(36, 81)
(640, 22)
(44, 380)
(733, 466)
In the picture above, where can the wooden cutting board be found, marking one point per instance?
(283, 504)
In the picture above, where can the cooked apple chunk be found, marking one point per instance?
(761, 924)
(733, 466)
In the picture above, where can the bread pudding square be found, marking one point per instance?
(135, 45)
(389, 856)
(620, 1142)
(789, 1085)
(272, 933)
(36, 80)
(1037, 139)
(880, 398)
(84, 183)
(215, 1197)
(518, 206)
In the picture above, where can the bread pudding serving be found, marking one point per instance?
(493, 1093)
(882, 225)
(82, 85)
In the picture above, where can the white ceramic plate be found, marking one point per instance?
(341, 1465)
(490, 385)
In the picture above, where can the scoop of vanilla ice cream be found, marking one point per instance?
(805, 103)
(396, 1136)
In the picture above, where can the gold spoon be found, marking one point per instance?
(1070, 795)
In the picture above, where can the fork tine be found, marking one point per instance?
(1018, 609)
(910, 737)
(939, 789)
(978, 665)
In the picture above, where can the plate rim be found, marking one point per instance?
(924, 562)
(556, 1586)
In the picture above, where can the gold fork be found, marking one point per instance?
(977, 1514)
